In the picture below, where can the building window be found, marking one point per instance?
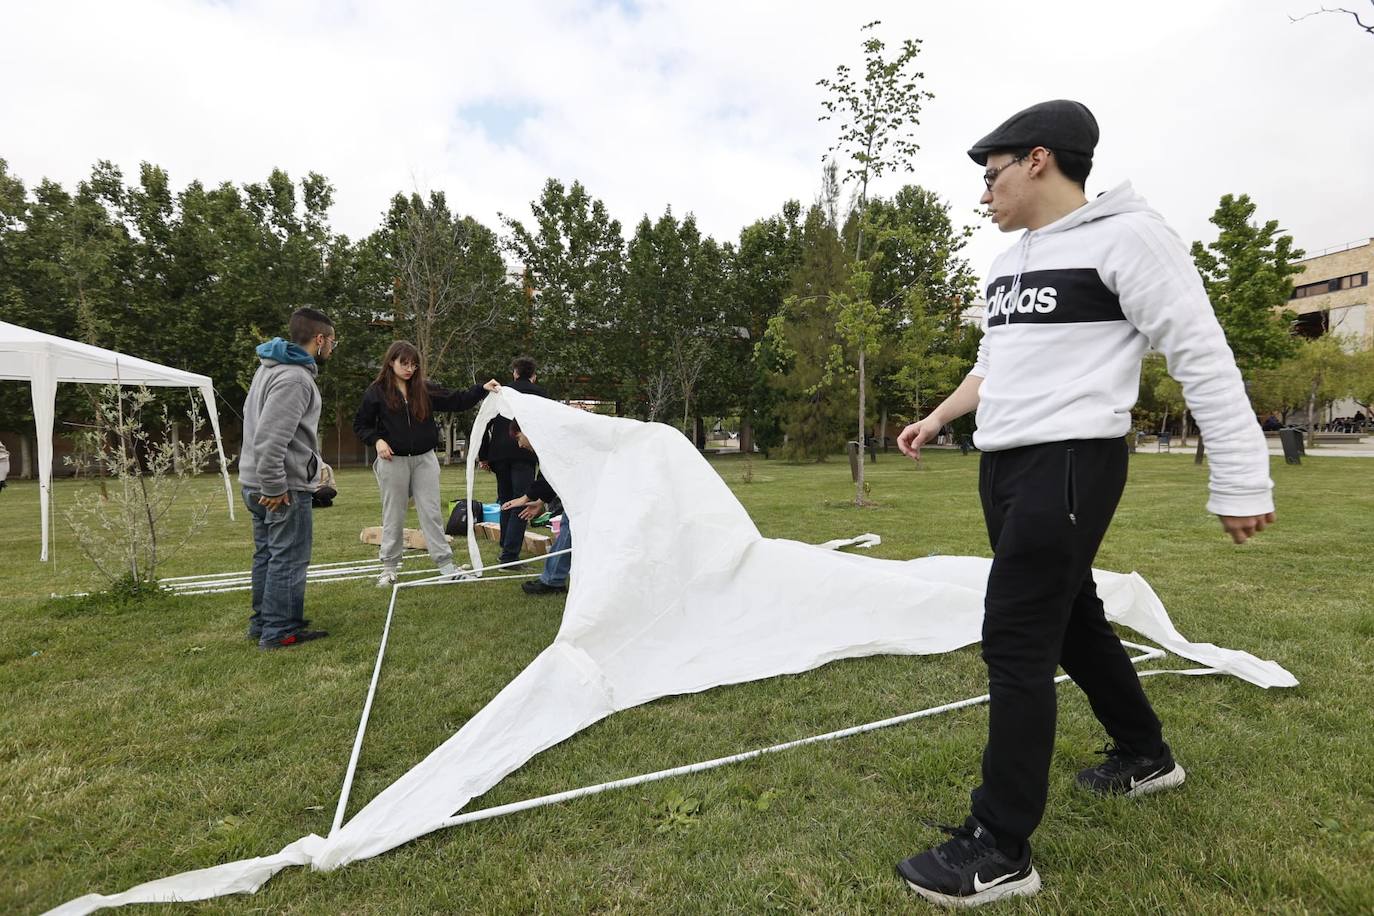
(1322, 287)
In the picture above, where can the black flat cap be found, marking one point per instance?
(1058, 125)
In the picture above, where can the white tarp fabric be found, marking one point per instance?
(44, 360)
(674, 591)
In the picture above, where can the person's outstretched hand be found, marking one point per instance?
(1243, 527)
(917, 435)
(492, 385)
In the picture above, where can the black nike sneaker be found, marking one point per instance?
(1123, 773)
(968, 869)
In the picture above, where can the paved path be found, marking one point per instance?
(1363, 449)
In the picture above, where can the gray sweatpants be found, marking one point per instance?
(401, 479)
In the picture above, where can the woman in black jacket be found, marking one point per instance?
(397, 419)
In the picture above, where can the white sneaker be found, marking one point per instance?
(453, 571)
(387, 578)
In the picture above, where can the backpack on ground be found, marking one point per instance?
(458, 518)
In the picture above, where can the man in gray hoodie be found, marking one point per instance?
(278, 469)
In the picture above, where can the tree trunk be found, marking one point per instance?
(1197, 456)
(882, 430)
(25, 458)
(859, 479)
(1183, 429)
(746, 435)
(700, 431)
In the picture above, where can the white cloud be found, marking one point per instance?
(706, 106)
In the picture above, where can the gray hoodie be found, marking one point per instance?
(281, 417)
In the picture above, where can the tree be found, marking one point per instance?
(573, 263)
(923, 286)
(1161, 398)
(1360, 23)
(1362, 380)
(761, 272)
(803, 348)
(130, 529)
(1247, 273)
(1325, 367)
(450, 284)
(877, 116)
(674, 308)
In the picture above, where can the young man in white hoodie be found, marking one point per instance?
(1072, 308)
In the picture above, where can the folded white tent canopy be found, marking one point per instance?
(43, 360)
(674, 591)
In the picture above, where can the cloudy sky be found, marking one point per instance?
(710, 107)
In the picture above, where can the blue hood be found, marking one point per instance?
(284, 351)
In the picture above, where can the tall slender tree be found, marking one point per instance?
(877, 115)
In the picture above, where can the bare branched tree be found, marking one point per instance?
(658, 392)
(1367, 26)
(441, 299)
(128, 534)
(689, 356)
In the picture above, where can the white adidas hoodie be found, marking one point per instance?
(1071, 310)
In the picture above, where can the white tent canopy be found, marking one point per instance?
(674, 591)
(43, 360)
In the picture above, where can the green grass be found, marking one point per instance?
(144, 740)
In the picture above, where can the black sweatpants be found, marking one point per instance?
(513, 478)
(1047, 508)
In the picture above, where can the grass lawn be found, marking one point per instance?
(139, 741)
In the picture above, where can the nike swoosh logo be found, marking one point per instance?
(979, 886)
(1135, 782)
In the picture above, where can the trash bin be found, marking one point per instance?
(1293, 449)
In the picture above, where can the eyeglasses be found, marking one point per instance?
(990, 176)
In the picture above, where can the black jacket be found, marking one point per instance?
(499, 445)
(541, 490)
(402, 431)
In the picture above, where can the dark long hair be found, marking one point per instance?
(417, 389)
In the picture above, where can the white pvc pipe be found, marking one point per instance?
(417, 572)
(377, 670)
(441, 580)
(1150, 652)
(367, 711)
(249, 572)
(311, 576)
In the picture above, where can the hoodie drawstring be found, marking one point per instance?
(1023, 250)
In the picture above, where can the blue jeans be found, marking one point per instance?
(513, 478)
(556, 569)
(282, 539)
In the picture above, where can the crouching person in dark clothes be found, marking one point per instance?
(540, 495)
(1072, 308)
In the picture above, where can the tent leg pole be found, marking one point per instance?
(362, 725)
